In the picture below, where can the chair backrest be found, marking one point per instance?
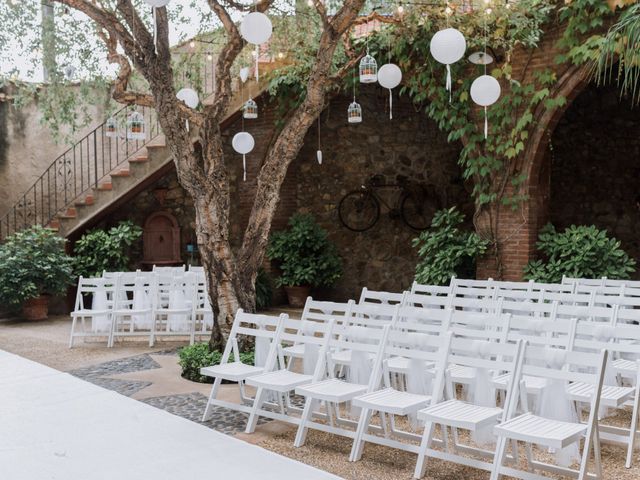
(620, 340)
(483, 326)
(169, 270)
(551, 332)
(593, 282)
(94, 287)
(420, 289)
(257, 326)
(131, 289)
(196, 269)
(371, 315)
(380, 298)
(424, 316)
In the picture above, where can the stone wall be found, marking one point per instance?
(27, 147)
(595, 169)
(409, 145)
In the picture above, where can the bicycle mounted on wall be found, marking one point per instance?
(415, 204)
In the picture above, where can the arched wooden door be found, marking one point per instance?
(161, 239)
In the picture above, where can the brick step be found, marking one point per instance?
(85, 202)
(121, 173)
(54, 224)
(106, 186)
(139, 159)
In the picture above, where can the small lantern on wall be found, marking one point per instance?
(111, 128)
(136, 127)
(250, 109)
(354, 113)
(368, 69)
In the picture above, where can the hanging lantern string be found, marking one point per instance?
(319, 148)
(486, 120)
(390, 91)
(155, 31)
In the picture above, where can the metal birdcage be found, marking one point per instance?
(250, 109)
(111, 128)
(136, 127)
(354, 113)
(368, 69)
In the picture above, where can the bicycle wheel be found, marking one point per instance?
(416, 215)
(359, 210)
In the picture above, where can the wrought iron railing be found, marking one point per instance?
(88, 162)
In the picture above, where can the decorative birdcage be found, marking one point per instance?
(354, 113)
(111, 128)
(250, 109)
(136, 127)
(368, 69)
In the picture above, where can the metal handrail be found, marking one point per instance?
(85, 164)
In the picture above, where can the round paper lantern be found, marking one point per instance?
(243, 142)
(448, 46)
(485, 90)
(189, 97)
(157, 3)
(389, 75)
(244, 74)
(256, 28)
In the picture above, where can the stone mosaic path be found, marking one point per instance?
(189, 406)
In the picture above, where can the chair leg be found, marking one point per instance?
(358, 443)
(498, 458)
(257, 403)
(152, 333)
(633, 428)
(73, 328)
(307, 411)
(421, 462)
(597, 453)
(212, 396)
(192, 339)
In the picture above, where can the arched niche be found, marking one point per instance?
(161, 239)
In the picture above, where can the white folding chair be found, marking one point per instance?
(264, 329)
(173, 305)
(484, 356)
(132, 313)
(169, 270)
(202, 310)
(98, 314)
(373, 297)
(548, 431)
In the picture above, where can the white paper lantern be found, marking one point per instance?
(256, 28)
(389, 75)
(243, 143)
(189, 97)
(244, 74)
(448, 46)
(157, 3)
(485, 90)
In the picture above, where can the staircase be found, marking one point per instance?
(101, 172)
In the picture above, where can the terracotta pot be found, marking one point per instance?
(36, 308)
(297, 295)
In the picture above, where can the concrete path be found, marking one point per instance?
(58, 427)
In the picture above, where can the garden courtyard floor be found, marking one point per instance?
(152, 376)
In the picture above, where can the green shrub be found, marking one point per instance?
(444, 249)
(110, 250)
(579, 252)
(33, 263)
(264, 290)
(198, 355)
(305, 255)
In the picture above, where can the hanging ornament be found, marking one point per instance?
(111, 128)
(447, 47)
(243, 143)
(390, 76)
(319, 151)
(244, 74)
(156, 4)
(190, 99)
(319, 156)
(250, 109)
(368, 69)
(485, 91)
(480, 58)
(256, 28)
(135, 126)
(354, 113)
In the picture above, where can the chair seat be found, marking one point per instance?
(296, 351)
(87, 312)
(332, 390)
(543, 431)
(534, 385)
(625, 367)
(456, 413)
(343, 357)
(235, 371)
(126, 311)
(392, 401)
(169, 311)
(402, 364)
(611, 396)
(280, 380)
(462, 374)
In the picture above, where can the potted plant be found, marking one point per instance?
(33, 266)
(306, 258)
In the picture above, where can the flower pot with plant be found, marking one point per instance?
(305, 257)
(33, 266)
